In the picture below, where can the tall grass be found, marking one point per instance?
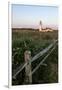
(35, 42)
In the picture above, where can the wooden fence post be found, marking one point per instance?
(27, 57)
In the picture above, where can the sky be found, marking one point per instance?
(29, 16)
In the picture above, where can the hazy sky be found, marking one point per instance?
(29, 16)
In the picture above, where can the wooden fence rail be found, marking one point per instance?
(43, 52)
(42, 62)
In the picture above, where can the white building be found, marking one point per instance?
(44, 30)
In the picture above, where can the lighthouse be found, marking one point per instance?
(40, 26)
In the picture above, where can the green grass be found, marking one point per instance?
(35, 42)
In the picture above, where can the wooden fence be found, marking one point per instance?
(29, 60)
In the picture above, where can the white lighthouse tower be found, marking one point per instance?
(40, 26)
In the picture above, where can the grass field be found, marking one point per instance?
(34, 41)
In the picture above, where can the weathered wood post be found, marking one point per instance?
(27, 57)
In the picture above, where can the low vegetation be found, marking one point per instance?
(34, 41)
